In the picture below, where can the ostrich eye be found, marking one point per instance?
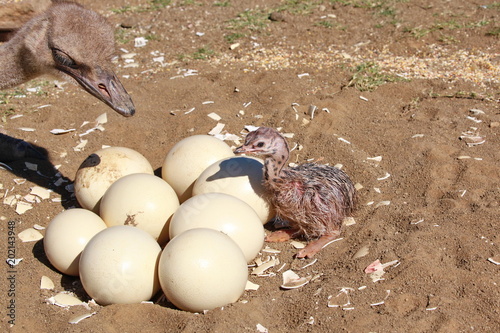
(63, 59)
(260, 144)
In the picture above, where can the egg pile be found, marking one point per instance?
(189, 233)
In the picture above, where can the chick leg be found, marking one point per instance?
(280, 235)
(315, 246)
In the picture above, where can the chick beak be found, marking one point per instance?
(240, 150)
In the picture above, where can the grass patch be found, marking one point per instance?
(231, 38)
(450, 25)
(494, 32)
(478, 24)
(6, 113)
(494, 5)
(463, 95)
(203, 53)
(151, 6)
(158, 4)
(123, 36)
(222, 4)
(417, 32)
(6, 96)
(249, 19)
(298, 6)
(447, 39)
(325, 24)
(152, 37)
(367, 77)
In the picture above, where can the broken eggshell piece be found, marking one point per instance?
(292, 281)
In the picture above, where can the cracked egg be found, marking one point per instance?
(140, 200)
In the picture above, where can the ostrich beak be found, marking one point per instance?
(104, 85)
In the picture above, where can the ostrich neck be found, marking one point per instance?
(11, 70)
(273, 165)
(18, 57)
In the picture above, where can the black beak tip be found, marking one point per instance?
(126, 112)
(130, 113)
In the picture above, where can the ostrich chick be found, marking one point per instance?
(313, 198)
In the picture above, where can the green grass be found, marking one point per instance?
(478, 24)
(250, 19)
(158, 4)
(450, 25)
(232, 37)
(325, 24)
(123, 36)
(152, 37)
(222, 3)
(122, 9)
(152, 5)
(494, 5)
(185, 3)
(494, 32)
(447, 39)
(203, 53)
(6, 96)
(367, 77)
(300, 7)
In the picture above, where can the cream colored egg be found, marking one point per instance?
(225, 213)
(141, 200)
(202, 269)
(240, 177)
(188, 158)
(67, 235)
(119, 266)
(103, 168)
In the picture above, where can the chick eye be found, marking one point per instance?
(260, 144)
(63, 59)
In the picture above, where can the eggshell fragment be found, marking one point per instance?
(67, 235)
(65, 299)
(79, 318)
(224, 213)
(188, 158)
(239, 176)
(46, 283)
(30, 235)
(101, 169)
(265, 266)
(292, 281)
(140, 200)
(119, 266)
(202, 269)
(251, 286)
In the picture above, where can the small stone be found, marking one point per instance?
(494, 124)
(129, 22)
(277, 17)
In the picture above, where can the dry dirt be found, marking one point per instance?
(442, 222)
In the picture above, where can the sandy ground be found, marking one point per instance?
(431, 201)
